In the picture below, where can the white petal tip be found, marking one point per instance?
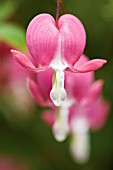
(80, 148)
(60, 132)
(79, 156)
(60, 137)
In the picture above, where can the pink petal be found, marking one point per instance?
(78, 84)
(73, 38)
(44, 80)
(42, 39)
(89, 66)
(25, 61)
(36, 92)
(97, 113)
(92, 94)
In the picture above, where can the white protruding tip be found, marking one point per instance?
(80, 148)
(60, 131)
(80, 144)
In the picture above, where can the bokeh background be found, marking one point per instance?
(25, 140)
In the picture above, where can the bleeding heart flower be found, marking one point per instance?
(56, 47)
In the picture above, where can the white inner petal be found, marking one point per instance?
(58, 93)
(80, 144)
(61, 126)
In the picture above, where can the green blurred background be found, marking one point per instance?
(29, 138)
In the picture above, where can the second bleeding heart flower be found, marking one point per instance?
(82, 93)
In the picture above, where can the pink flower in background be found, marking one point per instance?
(81, 91)
(56, 47)
(4, 52)
(12, 79)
